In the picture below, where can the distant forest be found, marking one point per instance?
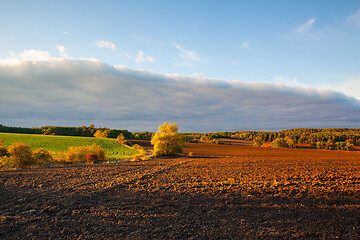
(327, 138)
(82, 131)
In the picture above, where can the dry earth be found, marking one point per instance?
(222, 192)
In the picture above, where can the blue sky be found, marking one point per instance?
(279, 46)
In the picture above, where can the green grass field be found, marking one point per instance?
(60, 144)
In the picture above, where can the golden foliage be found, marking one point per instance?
(85, 153)
(42, 155)
(21, 154)
(167, 140)
(101, 133)
(121, 139)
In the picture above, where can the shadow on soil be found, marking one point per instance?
(130, 211)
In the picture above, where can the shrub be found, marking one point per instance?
(167, 140)
(91, 158)
(42, 156)
(257, 142)
(60, 158)
(102, 133)
(76, 154)
(6, 162)
(121, 139)
(290, 143)
(192, 140)
(330, 145)
(3, 150)
(136, 158)
(98, 151)
(21, 154)
(216, 141)
(320, 145)
(137, 147)
(80, 154)
(279, 142)
(349, 146)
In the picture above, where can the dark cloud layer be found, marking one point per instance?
(80, 92)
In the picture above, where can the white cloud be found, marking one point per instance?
(127, 55)
(106, 44)
(141, 57)
(138, 37)
(354, 19)
(62, 51)
(188, 55)
(34, 55)
(27, 55)
(66, 32)
(305, 27)
(293, 81)
(350, 87)
(245, 44)
(72, 91)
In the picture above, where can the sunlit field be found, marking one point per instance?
(222, 192)
(60, 144)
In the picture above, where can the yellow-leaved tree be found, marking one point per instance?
(167, 140)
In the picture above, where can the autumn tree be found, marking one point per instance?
(167, 140)
(121, 139)
(102, 133)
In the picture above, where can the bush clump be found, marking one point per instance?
(257, 142)
(102, 133)
(21, 154)
(41, 156)
(121, 139)
(4, 152)
(283, 143)
(83, 153)
(6, 162)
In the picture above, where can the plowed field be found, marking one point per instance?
(222, 192)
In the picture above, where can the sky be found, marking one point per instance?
(206, 65)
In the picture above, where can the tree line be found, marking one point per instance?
(322, 138)
(82, 131)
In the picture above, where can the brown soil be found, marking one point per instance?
(223, 192)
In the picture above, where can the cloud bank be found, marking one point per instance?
(62, 51)
(75, 92)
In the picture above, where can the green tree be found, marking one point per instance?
(167, 140)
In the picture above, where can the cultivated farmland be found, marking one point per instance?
(60, 144)
(222, 192)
